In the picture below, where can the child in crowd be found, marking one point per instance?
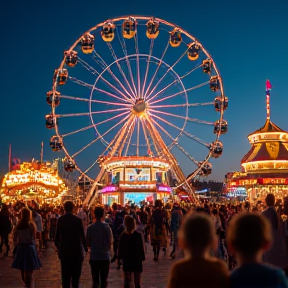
(198, 269)
(249, 236)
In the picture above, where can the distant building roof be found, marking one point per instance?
(269, 126)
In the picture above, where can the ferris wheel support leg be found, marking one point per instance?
(93, 192)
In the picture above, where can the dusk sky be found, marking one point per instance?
(247, 39)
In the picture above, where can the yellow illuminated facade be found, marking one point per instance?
(33, 181)
(265, 166)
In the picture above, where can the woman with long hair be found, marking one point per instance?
(26, 258)
(131, 251)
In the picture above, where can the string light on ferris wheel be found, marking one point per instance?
(140, 87)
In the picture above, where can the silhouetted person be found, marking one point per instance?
(131, 251)
(100, 241)
(249, 236)
(25, 258)
(5, 228)
(198, 269)
(71, 244)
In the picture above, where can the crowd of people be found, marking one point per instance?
(231, 243)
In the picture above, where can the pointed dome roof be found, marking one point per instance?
(269, 126)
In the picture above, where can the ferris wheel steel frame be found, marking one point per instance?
(129, 96)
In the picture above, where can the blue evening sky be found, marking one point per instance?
(248, 40)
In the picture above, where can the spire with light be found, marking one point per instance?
(268, 89)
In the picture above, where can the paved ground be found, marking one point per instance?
(154, 275)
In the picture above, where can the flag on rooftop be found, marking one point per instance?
(268, 87)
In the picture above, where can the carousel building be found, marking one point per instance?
(265, 166)
(33, 181)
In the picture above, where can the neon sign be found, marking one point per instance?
(262, 181)
(272, 181)
(248, 182)
(109, 189)
(164, 188)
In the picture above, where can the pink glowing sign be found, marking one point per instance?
(109, 189)
(164, 188)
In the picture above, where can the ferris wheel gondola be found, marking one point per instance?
(140, 85)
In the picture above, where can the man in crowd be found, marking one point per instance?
(100, 241)
(176, 219)
(5, 228)
(273, 255)
(71, 244)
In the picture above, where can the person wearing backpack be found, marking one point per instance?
(5, 229)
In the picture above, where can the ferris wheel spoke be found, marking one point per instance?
(119, 139)
(138, 134)
(192, 70)
(112, 118)
(109, 111)
(148, 64)
(118, 134)
(152, 135)
(155, 122)
(174, 142)
(155, 73)
(124, 49)
(99, 137)
(114, 96)
(117, 90)
(162, 90)
(182, 130)
(80, 82)
(137, 63)
(115, 78)
(72, 115)
(181, 92)
(182, 105)
(94, 101)
(130, 137)
(127, 135)
(132, 96)
(93, 125)
(164, 150)
(183, 117)
(89, 113)
(146, 138)
(167, 71)
(74, 98)
(90, 167)
(77, 131)
(95, 72)
(98, 59)
(88, 67)
(187, 154)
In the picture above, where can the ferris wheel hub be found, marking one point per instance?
(139, 108)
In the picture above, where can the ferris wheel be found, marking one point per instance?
(137, 86)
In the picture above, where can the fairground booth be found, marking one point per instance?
(33, 181)
(134, 179)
